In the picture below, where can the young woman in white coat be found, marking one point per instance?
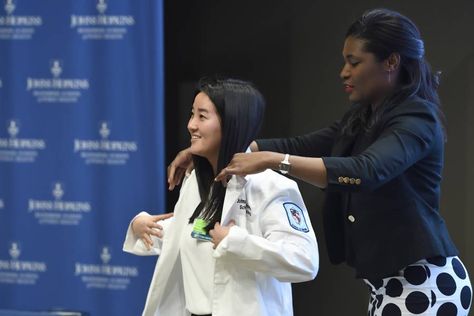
(233, 248)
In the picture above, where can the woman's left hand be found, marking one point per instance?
(243, 164)
(220, 232)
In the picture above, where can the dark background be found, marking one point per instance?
(292, 51)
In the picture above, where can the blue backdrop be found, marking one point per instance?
(81, 150)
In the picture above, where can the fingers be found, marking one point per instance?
(160, 217)
(215, 234)
(147, 241)
(222, 175)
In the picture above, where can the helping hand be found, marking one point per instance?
(243, 164)
(182, 163)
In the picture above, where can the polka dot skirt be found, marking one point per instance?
(438, 287)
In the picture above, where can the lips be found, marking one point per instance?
(348, 88)
(194, 137)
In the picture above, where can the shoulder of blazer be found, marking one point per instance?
(414, 106)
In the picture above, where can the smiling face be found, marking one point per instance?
(204, 126)
(365, 78)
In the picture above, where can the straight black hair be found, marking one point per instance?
(240, 107)
(385, 32)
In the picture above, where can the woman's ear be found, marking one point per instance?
(392, 63)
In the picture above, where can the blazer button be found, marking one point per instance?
(351, 218)
(346, 180)
(352, 180)
(340, 179)
(358, 181)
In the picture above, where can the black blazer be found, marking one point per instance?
(381, 211)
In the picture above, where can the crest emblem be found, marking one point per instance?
(104, 130)
(296, 217)
(105, 255)
(56, 68)
(101, 6)
(14, 251)
(13, 128)
(58, 191)
(9, 6)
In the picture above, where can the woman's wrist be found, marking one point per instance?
(273, 160)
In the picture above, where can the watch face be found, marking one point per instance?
(284, 168)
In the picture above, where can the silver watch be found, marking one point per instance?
(285, 166)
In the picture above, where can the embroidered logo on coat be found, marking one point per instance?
(296, 217)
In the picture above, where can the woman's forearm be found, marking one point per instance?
(308, 169)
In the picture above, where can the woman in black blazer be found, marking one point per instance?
(380, 166)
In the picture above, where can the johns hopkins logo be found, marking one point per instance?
(57, 88)
(105, 255)
(102, 26)
(25, 150)
(9, 6)
(13, 128)
(20, 272)
(58, 191)
(17, 27)
(14, 251)
(104, 130)
(101, 6)
(104, 150)
(56, 68)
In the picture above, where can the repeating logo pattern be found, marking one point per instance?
(17, 27)
(105, 151)
(20, 272)
(57, 211)
(19, 150)
(57, 89)
(102, 26)
(105, 275)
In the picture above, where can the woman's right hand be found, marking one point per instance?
(182, 163)
(144, 226)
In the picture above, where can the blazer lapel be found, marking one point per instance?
(234, 190)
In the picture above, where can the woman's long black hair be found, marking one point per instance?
(240, 107)
(385, 32)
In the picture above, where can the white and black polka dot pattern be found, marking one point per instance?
(432, 287)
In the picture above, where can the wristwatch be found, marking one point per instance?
(285, 166)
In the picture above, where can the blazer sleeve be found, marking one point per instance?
(315, 144)
(407, 136)
(288, 253)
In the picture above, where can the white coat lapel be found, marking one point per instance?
(234, 190)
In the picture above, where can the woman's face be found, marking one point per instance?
(204, 126)
(365, 79)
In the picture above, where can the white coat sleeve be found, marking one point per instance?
(135, 245)
(285, 251)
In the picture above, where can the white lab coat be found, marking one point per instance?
(255, 262)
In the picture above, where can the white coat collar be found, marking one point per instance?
(234, 190)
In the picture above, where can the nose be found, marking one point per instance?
(344, 72)
(192, 125)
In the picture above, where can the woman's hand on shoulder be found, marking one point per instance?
(182, 163)
(145, 226)
(243, 164)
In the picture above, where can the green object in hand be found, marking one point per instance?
(199, 230)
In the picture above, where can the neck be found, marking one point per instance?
(213, 162)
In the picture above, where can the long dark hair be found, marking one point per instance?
(240, 107)
(385, 32)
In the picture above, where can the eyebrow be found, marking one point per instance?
(351, 56)
(202, 110)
